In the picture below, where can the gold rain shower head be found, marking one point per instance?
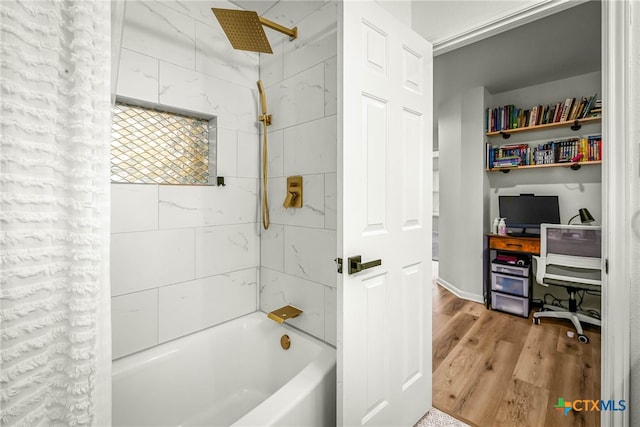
(244, 29)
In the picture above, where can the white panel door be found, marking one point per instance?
(384, 212)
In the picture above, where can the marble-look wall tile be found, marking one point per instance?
(330, 201)
(175, 55)
(226, 248)
(271, 65)
(134, 207)
(311, 214)
(330, 315)
(331, 86)
(235, 106)
(311, 147)
(216, 57)
(249, 155)
(278, 289)
(192, 306)
(317, 40)
(301, 80)
(310, 253)
(272, 247)
(276, 153)
(199, 10)
(259, 6)
(297, 99)
(134, 322)
(155, 30)
(198, 206)
(138, 76)
(290, 12)
(227, 156)
(149, 259)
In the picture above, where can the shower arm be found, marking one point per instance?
(291, 32)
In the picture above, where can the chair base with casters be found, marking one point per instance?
(573, 315)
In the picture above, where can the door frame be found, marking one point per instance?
(616, 192)
(616, 37)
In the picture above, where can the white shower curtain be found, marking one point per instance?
(54, 212)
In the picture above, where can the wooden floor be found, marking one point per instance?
(494, 369)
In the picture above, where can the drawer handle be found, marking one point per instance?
(514, 244)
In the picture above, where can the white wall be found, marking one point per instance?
(462, 194)
(449, 137)
(298, 250)
(185, 258)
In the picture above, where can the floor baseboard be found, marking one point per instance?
(457, 292)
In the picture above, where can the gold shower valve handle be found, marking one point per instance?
(288, 201)
(293, 199)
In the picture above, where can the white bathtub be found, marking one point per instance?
(234, 374)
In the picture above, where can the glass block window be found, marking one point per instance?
(157, 147)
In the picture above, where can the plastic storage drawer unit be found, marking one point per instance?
(510, 304)
(516, 270)
(516, 285)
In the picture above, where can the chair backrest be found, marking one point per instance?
(571, 245)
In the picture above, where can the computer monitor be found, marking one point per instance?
(526, 212)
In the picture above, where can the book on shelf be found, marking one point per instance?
(596, 109)
(548, 118)
(509, 117)
(565, 109)
(533, 118)
(565, 150)
(590, 105)
(575, 108)
(558, 112)
(525, 119)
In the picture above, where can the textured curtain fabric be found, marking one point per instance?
(54, 212)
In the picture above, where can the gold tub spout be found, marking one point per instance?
(284, 313)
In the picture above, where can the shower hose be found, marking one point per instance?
(265, 201)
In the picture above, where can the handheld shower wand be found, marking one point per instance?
(266, 121)
(264, 117)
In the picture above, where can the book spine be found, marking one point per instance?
(583, 105)
(565, 109)
(573, 110)
(558, 114)
(534, 116)
(589, 106)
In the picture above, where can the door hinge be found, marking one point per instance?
(339, 262)
(606, 265)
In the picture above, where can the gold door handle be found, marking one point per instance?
(356, 264)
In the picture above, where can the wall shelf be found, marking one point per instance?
(570, 165)
(569, 123)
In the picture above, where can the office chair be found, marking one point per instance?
(569, 258)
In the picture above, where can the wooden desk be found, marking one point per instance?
(505, 243)
(524, 245)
